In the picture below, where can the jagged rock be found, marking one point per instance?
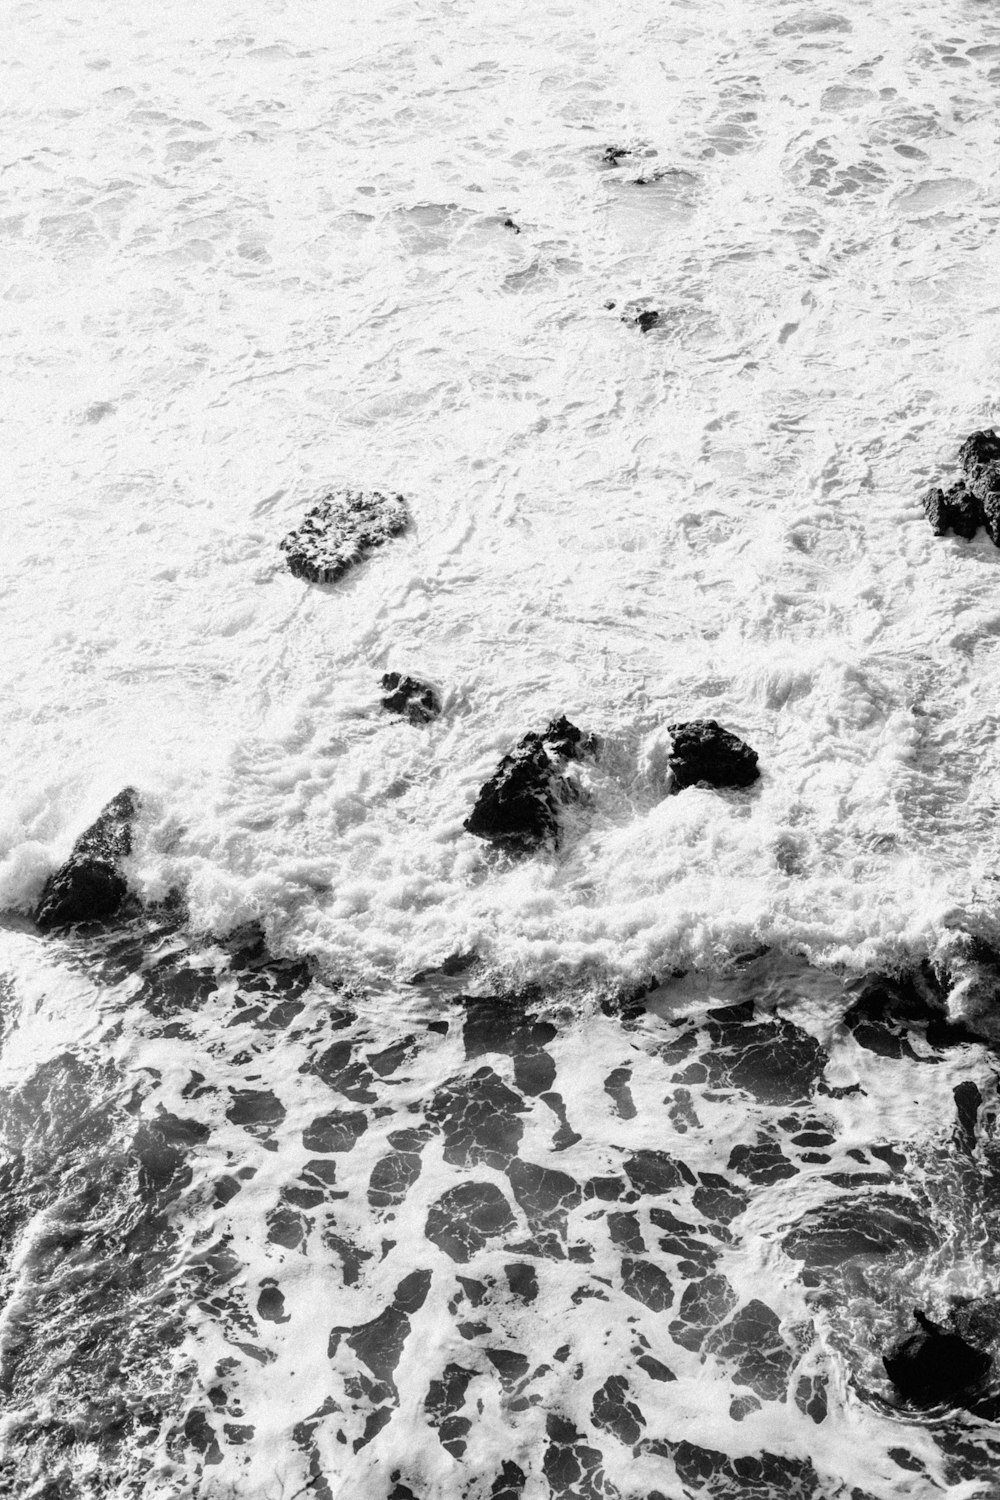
(989, 504)
(934, 1364)
(518, 808)
(341, 530)
(949, 1002)
(90, 885)
(613, 155)
(979, 449)
(979, 456)
(968, 971)
(955, 510)
(644, 320)
(405, 695)
(704, 751)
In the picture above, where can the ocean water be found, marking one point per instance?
(621, 1207)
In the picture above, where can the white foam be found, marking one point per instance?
(256, 270)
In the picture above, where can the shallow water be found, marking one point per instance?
(275, 1220)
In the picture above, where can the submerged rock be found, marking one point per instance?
(340, 531)
(90, 885)
(934, 1364)
(644, 319)
(955, 510)
(946, 1001)
(518, 808)
(704, 751)
(968, 970)
(405, 695)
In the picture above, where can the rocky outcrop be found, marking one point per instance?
(416, 701)
(945, 1001)
(973, 501)
(935, 1364)
(342, 530)
(705, 752)
(90, 886)
(967, 969)
(979, 450)
(955, 510)
(517, 810)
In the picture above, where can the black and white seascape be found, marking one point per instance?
(499, 858)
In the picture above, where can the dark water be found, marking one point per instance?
(291, 1238)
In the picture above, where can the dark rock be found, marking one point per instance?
(341, 530)
(978, 450)
(955, 510)
(989, 505)
(979, 456)
(704, 751)
(518, 808)
(90, 886)
(934, 1364)
(644, 320)
(976, 501)
(967, 968)
(509, 224)
(417, 701)
(613, 155)
(947, 1004)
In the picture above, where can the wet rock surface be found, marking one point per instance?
(342, 530)
(947, 1003)
(956, 510)
(705, 752)
(517, 810)
(416, 701)
(974, 500)
(90, 886)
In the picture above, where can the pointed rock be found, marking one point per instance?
(518, 808)
(90, 886)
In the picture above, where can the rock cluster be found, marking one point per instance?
(974, 500)
(517, 810)
(340, 531)
(417, 701)
(935, 1364)
(90, 886)
(705, 752)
